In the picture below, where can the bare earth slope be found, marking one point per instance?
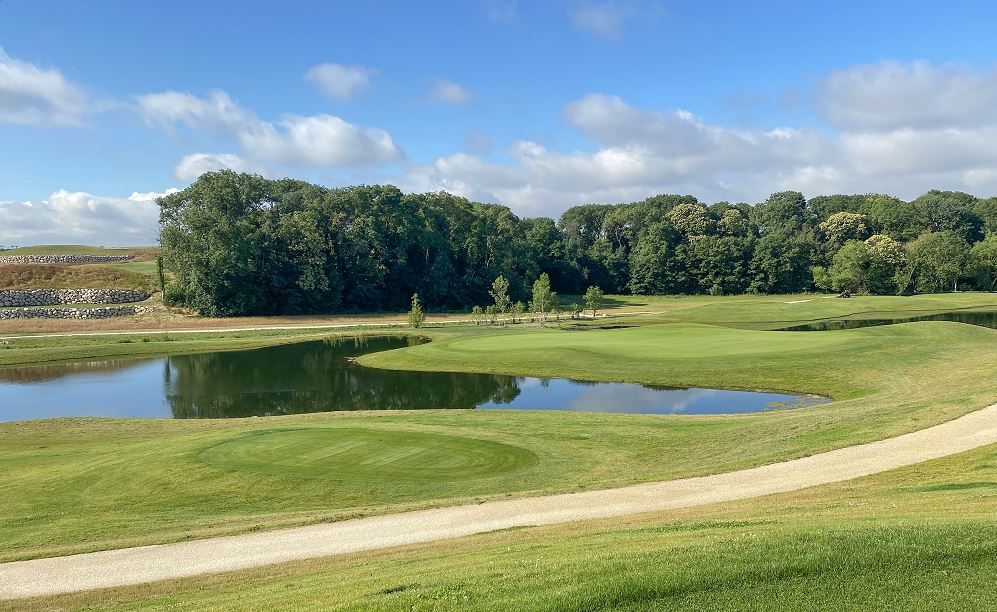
(151, 563)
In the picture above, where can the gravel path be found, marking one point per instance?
(161, 562)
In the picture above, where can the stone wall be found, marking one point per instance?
(50, 297)
(62, 259)
(100, 312)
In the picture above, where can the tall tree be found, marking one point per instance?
(500, 294)
(983, 258)
(543, 300)
(938, 259)
(593, 299)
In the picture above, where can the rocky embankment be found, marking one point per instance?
(99, 312)
(62, 259)
(50, 297)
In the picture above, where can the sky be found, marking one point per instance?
(539, 105)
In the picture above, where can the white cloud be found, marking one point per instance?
(316, 140)
(892, 95)
(636, 152)
(196, 164)
(33, 95)
(76, 216)
(450, 92)
(339, 82)
(607, 19)
(217, 114)
(640, 152)
(319, 140)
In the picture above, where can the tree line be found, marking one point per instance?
(238, 244)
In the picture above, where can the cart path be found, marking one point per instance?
(143, 564)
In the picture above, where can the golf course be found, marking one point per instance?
(498, 306)
(76, 485)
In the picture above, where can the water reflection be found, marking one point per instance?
(322, 376)
(317, 377)
(980, 318)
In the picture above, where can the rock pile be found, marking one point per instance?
(62, 259)
(49, 297)
(100, 312)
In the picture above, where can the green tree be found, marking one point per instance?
(950, 211)
(983, 261)
(477, 315)
(593, 299)
(543, 298)
(937, 260)
(416, 317)
(887, 261)
(732, 223)
(500, 294)
(576, 309)
(782, 261)
(690, 219)
(517, 311)
(492, 313)
(841, 227)
(850, 269)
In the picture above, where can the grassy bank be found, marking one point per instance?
(919, 538)
(87, 484)
(46, 276)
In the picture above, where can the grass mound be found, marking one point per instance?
(368, 455)
(46, 276)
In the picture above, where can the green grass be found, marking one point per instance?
(776, 311)
(367, 455)
(910, 539)
(85, 484)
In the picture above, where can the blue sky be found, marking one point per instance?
(538, 105)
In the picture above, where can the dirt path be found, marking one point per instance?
(151, 563)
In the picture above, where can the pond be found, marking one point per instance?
(321, 376)
(972, 317)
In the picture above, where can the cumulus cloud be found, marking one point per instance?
(319, 140)
(892, 95)
(339, 82)
(217, 114)
(196, 164)
(450, 93)
(316, 140)
(76, 216)
(639, 152)
(34, 95)
(875, 140)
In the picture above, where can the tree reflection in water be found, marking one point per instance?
(317, 377)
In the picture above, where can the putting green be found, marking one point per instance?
(368, 455)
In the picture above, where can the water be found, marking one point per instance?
(321, 376)
(981, 318)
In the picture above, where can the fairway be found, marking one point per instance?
(367, 455)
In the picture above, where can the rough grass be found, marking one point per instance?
(910, 539)
(45, 276)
